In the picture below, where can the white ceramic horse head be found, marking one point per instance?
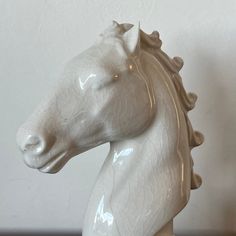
(124, 90)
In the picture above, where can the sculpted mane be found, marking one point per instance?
(152, 44)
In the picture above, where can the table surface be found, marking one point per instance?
(184, 233)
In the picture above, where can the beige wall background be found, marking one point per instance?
(37, 37)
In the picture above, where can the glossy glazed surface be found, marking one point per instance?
(126, 91)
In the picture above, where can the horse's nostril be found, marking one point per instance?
(34, 144)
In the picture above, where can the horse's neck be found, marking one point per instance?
(141, 185)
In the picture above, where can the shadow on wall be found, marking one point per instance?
(219, 95)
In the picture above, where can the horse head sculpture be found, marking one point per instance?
(124, 90)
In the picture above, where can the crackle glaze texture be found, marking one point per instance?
(124, 90)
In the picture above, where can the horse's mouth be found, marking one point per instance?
(55, 163)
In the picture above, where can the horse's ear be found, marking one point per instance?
(115, 23)
(132, 39)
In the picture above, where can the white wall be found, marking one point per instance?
(37, 37)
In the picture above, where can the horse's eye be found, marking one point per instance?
(116, 77)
